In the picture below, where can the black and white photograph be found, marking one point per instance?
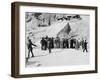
(51, 39)
(56, 39)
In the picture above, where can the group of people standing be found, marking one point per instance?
(48, 43)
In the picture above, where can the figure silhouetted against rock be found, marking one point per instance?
(30, 48)
(85, 46)
(67, 43)
(52, 42)
(49, 45)
(42, 43)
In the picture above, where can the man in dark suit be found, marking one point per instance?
(30, 48)
(85, 46)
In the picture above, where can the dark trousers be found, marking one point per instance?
(85, 49)
(49, 48)
(30, 50)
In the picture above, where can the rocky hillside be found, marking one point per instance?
(79, 27)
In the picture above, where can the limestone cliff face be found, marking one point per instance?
(77, 28)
